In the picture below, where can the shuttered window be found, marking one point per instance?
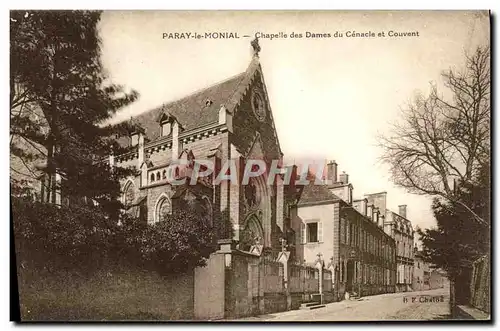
(320, 231)
(302, 233)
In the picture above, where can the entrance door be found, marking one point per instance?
(350, 275)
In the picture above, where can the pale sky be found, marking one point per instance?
(329, 97)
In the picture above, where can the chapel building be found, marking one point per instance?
(231, 120)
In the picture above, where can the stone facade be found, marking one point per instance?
(424, 276)
(231, 120)
(421, 274)
(401, 230)
(333, 226)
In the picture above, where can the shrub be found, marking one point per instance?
(84, 238)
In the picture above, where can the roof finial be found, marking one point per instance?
(255, 46)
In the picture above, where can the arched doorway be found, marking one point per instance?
(253, 233)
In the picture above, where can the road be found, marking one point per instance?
(422, 305)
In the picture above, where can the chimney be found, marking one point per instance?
(363, 207)
(369, 211)
(175, 140)
(344, 178)
(331, 171)
(402, 210)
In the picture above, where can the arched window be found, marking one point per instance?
(163, 208)
(158, 176)
(164, 174)
(128, 193)
(152, 177)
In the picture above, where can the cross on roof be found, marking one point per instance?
(255, 46)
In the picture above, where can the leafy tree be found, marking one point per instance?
(440, 140)
(58, 238)
(60, 98)
(182, 241)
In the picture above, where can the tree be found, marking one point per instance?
(456, 241)
(182, 241)
(442, 140)
(60, 98)
(81, 239)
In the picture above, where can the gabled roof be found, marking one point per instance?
(192, 111)
(314, 193)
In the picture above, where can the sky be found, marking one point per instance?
(329, 97)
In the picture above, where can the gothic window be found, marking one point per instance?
(152, 177)
(258, 106)
(128, 193)
(207, 210)
(158, 176)
(163, 208)
(164, 174)
(251, 193)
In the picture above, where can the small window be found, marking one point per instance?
(134, 139)
(158, 176)
(312, 232)
(164, 174)
(166, 129)
(152, 177)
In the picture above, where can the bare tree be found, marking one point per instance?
(441, 139)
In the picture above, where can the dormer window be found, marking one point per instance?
(166, 128)
(168, 124)
(134, 139)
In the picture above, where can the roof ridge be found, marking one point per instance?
(248, 73)
(203, 89)
(187, 96)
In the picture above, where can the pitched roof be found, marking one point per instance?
(192, 112)
(312, 193)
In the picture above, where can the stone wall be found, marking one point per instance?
(113, 293)
(480, 284)
(256, 285)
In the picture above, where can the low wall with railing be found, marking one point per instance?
(260, 285)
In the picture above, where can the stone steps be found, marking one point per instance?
(311, 306)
